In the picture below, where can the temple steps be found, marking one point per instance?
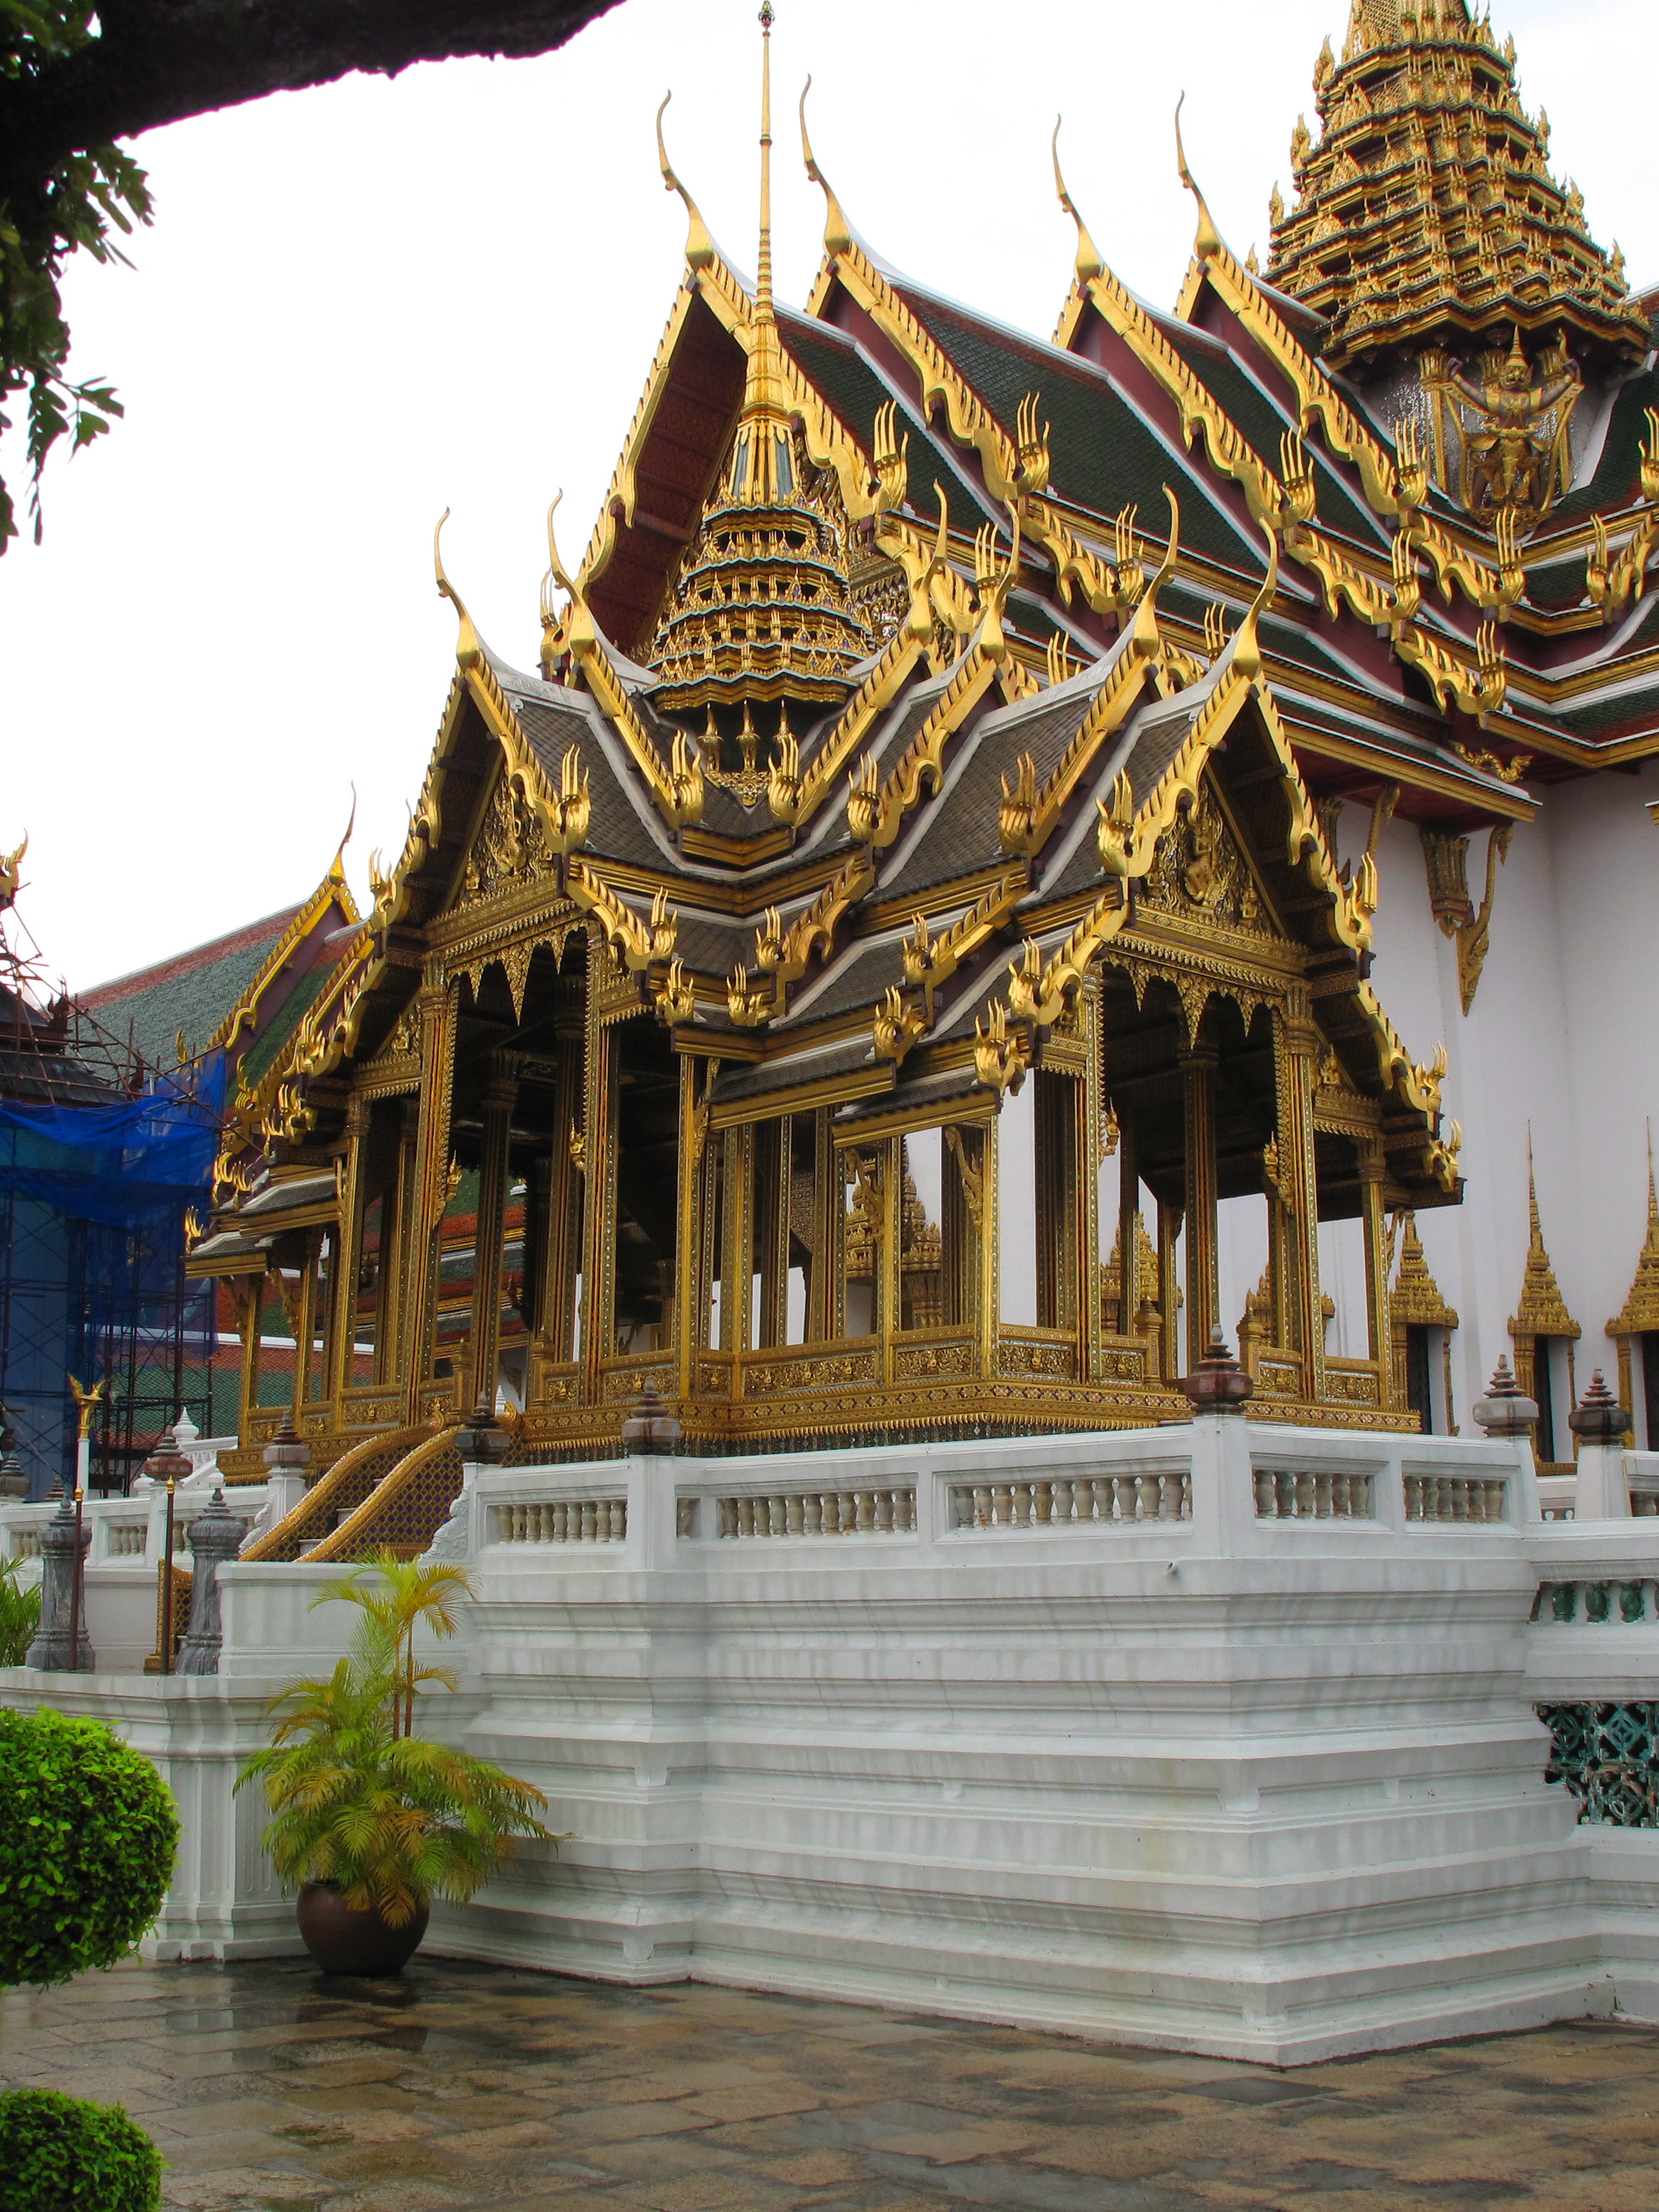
(355, 1477)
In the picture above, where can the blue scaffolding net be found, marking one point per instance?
(93, 1201)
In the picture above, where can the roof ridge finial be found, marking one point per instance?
(1535, 1224)
(337, 875)
(837, 230)
(1208, 239)
(699, 246)
(1089, 264)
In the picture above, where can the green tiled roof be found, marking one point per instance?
(1103, 456)
(260, 1056)
(194, 992)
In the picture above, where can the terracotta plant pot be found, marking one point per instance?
(345, 1942)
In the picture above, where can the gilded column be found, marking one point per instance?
(499, 1100)
(1203, 1292)
(889, 1269)
(598, 1186)
(305, 1323)
(1369, 1149)
(989, 1287)
(249, 1313)
(397, 1220)
(690, 1301)
(1130, 1287)
(347, 1265)
(1296, 1046)
(1091, 1149)
(555, 1303)
(1169, 1291)
(439, 1011)
(823, 1304)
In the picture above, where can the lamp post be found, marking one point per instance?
(87, 1401)
(171, 1467)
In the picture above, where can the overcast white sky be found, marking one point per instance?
(361, 305)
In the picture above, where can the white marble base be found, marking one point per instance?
(1259, 1778)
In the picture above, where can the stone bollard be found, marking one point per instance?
(1599, 1422)
(1504, 1412)
(214, 1538)
(651, 1430)
(51, 1647)
(1217, 1384)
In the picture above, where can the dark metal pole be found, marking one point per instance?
(167, 1587)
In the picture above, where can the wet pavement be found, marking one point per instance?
(466, 2085)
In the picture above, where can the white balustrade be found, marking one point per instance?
(1309, 1493)
(21, 1544)
(563, 1520)
(1455, 1497)
(1118, 1499)
(875, 1512)
(126, 1539)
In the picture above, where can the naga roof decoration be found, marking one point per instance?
(922, 677)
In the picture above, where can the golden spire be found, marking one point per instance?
(1425, 214)
(1640, 1313)
(761, 609)
(1543, 1311)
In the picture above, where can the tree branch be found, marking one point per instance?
(158, 61)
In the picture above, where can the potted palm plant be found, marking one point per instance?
(370, 1820)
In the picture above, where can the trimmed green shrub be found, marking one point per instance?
(87, 1834)
(59, 2154)
(20, 1615)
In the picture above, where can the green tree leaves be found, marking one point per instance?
(77, 206)
(87, 1835)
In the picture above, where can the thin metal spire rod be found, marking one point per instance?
(764, 268)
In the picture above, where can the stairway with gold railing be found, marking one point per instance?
(336, 1498)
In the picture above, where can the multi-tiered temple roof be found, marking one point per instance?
(937, 707)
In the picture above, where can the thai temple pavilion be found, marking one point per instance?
(991, 877)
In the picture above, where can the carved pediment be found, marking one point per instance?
(510, 849)
(1202, 873)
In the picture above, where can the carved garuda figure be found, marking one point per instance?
(1504, 431)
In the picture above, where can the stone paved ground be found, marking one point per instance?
(473, 2086)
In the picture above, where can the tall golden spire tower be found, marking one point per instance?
(1425, 212)
(760, 611)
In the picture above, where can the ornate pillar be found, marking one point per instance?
(1297, 1052)
(1203, 1292)
(249, 1314)
(305, 1322)
(1058, 1198)
(772, 1226)
(438, 1011)
(690, 1297)
(1370, 1152)
(889, 1272)
(499, 1100)
(598, 1139)
(987, 1293)
(348, 1253)
(1091, 1153)
(1169, 1291)
(737, 1241)
(1130, 1287)
(822, 1291)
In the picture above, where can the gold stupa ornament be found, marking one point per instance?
(761, 610)
(1427, 226)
